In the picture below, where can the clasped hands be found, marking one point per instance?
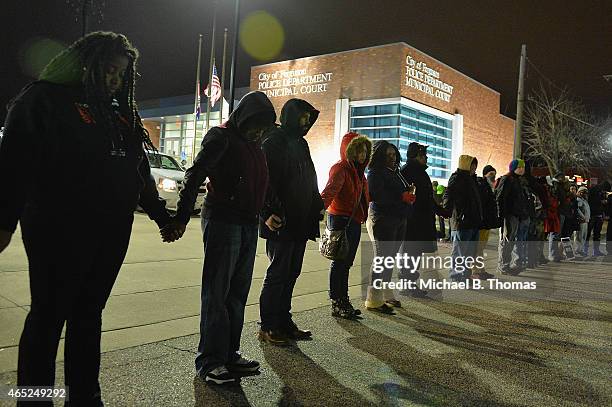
(173, 231)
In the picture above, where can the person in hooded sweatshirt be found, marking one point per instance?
(512, 208)
(390, 207)
(232, 159)
(289, 219)
(346, 199)
(79, 123)
(462, 198)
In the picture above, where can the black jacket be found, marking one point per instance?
(58, 163)
(597, 195)
(421, 227)
(489, 205)
(510, 197)
(293, 192)
(236, 168)
(463, 199)
(386, 188)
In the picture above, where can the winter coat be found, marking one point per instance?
(597, 195)
(511, 198)
(421, 227)
(386, 187)
(51, 142)
(346, 179)
(235, 166)
(490, 220)
(463, 198)
(293, 192)
(583, 209)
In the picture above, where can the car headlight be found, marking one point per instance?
(168, 185)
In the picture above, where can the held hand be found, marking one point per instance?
(412, 189)
(5, 239)
(172, 232)
(274, 223)
(408, 197)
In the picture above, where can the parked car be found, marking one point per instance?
(169, 176)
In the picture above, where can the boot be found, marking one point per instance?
(596, 251)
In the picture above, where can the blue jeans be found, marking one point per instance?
(229, 256)
(339, 269)
(522, 242)
(465, 242)
(285, 267)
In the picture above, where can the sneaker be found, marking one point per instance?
(243, 365)
(383, 309)
(415, 293)
(273, 337)
(219, 375)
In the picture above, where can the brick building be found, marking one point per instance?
(393, 92)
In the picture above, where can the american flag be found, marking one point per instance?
(215, 95)
(198, 108)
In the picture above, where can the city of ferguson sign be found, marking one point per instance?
(422, 78)
(292, 83)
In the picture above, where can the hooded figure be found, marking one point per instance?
(232, 159)
(463, 200)
(290, 217)
(462, 197)
(346, 178)
(293, 192)
(346, 194)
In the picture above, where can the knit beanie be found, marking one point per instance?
(514, 164)
(487, 169)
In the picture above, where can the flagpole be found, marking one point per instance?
(223, 71)
(234, 55)
(197, 100)
(210, 69)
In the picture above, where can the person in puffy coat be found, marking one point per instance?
(490, 220)
(346, 199)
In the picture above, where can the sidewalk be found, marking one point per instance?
(479, 348)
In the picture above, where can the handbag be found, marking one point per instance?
(334, 244)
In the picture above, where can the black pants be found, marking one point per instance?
(285, 267)
(595, 226)
(339, 269)
(72, 271)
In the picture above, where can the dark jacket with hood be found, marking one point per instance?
(421, 228)
(52, 141)
(511, 198)
(235, 166)
(293, 192)
(386, 186)
(489, 205)
(347, 179)
(463, 198)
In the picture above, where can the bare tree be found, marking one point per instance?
(559, 132)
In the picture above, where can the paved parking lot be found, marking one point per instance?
(478, 348)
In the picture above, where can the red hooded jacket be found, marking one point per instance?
(346, 180)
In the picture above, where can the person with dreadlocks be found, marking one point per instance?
(81, 108)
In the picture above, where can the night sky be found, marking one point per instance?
(569, 41)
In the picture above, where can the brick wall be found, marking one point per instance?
(377, 73)
(154, 131)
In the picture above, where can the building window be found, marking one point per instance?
(400, 125)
